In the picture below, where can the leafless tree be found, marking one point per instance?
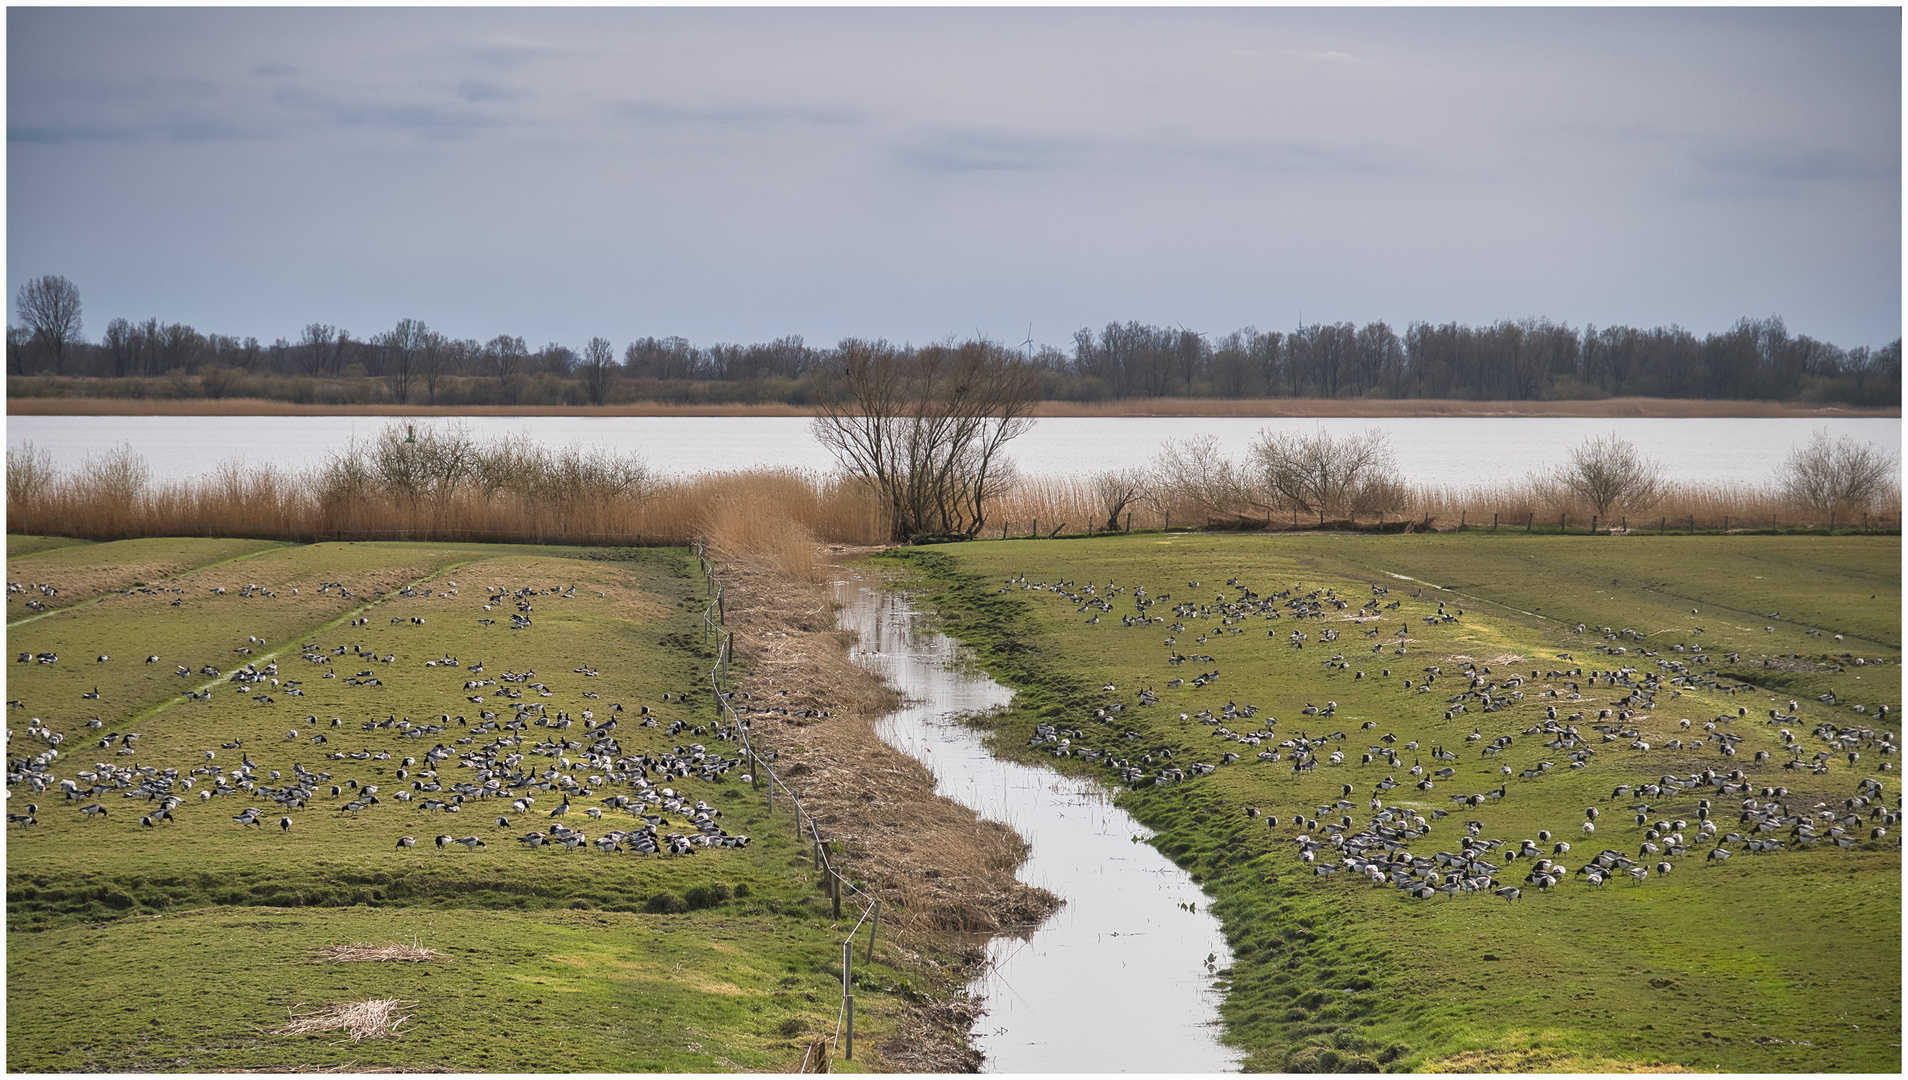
(50, 308)
(1320, 472)
(1842, 474)
(926, 427)
(17, 338)
(1118, 490)
(1607, 471)
(401, 347)
(599, 367)
(178, 347)
(434, 353)
(121, 343)
(507, 357)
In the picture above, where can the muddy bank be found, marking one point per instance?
(945, 877)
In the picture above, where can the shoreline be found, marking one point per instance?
(1322, 408)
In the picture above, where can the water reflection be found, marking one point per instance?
(1120, 978)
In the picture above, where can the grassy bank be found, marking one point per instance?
(145, 941)
(1779, 961)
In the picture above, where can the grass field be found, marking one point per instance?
(1782, 961)
(140, 943)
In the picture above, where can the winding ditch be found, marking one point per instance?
(1120, 979)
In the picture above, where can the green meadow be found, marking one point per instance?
(1449, 651)
(142, 942)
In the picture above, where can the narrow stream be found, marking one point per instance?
(1118, 980)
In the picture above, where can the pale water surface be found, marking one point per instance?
(1120, 979)
(1445, 450)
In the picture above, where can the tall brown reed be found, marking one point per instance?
(443, 486)
(1071, 501)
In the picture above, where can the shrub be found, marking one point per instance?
(1841, 474)
(1607, 471)
(706, 896)
(665, 903)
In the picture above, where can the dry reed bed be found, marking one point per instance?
(449, 487)
(1071, 505)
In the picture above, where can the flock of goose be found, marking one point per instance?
(1570, 737)
(514, 750)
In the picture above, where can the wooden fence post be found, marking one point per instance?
(1493, 521)
(873, 929)
(850, 1051)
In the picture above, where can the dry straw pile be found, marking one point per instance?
(395, 952)
(375, 1019)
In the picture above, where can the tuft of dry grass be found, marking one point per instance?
(374, 1019)
(357, 952)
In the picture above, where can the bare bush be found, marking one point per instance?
(1843, 474)
(1606, 471)
(1322, 473)
(1191, 474)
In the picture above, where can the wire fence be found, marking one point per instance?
(837, 888)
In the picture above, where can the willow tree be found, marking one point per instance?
(926, 427)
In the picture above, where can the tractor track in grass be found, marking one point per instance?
(116, 592)
(341, 620)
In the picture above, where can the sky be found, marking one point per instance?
(740, 174)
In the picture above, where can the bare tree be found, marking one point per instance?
(1116, 491)
(122, 347)
(507, 358)
(1322, 473)
(401, 346)
(434, 352)
(17, 338)
(926, 428)
(178, 347)
(1842, 474)
(50, 307)
(599, 367)
(1607, 471)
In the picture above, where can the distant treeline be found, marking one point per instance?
(1523, 360)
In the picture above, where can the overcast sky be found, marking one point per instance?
(736, 175)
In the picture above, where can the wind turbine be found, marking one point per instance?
(1028, 344)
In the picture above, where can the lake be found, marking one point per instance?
(1444, 450)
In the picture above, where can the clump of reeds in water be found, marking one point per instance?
(413, 482)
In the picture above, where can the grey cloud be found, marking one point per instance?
(510, 54)
(70, 133)
(660, 112)
(1793, 165)
(475, 91)
(274, 70)
(211, 130)
(427, 119)
(971, 149)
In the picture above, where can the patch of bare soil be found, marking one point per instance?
(944, 876)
